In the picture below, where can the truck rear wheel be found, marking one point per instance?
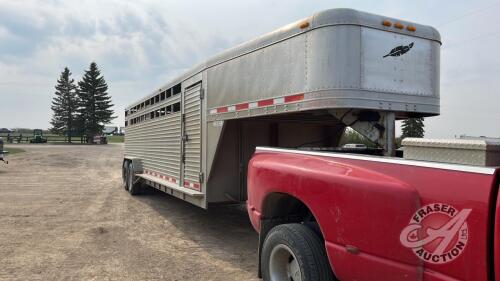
(294, 252)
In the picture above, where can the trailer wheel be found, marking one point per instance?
(133, 187)
(125, 175)
(294, 252)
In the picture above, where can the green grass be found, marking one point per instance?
(14, 150)
(115, 139)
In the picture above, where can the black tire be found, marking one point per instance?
(306, 248)
(134, 188)
(125, 175)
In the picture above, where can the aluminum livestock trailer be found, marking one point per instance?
(296, 87)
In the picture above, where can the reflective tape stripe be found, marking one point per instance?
(294, 98)
(164, 177)
(221, 109)
(242, 106)
(192, 185)
(279, 101)
(265, 102)
(261, 103)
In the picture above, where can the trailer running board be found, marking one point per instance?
(170, 185)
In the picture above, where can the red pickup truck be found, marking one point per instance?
(328, 216)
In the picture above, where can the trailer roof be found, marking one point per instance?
(324, 18)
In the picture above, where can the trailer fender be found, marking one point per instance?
(136, 163)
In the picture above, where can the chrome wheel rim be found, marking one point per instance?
(283, 265)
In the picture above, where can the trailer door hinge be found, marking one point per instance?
(202, 177)
(202, 94)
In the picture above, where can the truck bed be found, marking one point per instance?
(364, 204)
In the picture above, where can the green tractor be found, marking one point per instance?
(38, 137)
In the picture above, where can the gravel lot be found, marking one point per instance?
(65, 216)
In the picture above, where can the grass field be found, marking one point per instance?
(115, 139)
(12, 150)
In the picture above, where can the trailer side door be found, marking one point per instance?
(191, 140)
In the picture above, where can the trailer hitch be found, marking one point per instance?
(378, 127)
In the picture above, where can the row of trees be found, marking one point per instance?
(81, 109)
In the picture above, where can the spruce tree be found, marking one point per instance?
(413, 128)
(80, 123)
(64, 105)
(95, 106)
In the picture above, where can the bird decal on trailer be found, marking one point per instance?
(399, 50)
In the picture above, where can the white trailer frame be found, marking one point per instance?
(192, 138)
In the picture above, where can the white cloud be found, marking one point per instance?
(137, 46)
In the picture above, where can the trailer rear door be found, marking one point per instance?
(191, 141)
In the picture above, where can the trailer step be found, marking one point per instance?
(170, 185)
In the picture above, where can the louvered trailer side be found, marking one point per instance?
(296, 87)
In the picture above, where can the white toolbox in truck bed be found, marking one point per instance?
(458, 151)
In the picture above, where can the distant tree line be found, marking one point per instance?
(81, 109)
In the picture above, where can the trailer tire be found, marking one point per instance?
(125, 175)
(294, 252)
(134, 188)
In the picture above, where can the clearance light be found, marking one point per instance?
(411, 28)
(386, 23)
(304, 25)
(399, 25)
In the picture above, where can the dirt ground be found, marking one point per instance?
(65, 216)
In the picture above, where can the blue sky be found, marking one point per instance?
(140, 45)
